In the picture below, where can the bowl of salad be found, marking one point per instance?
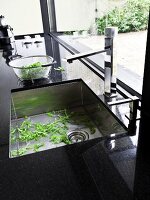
(32, 67)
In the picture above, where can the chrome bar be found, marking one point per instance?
(133, 116)
(71, 58)
(133, 105)
(118, 102)
(110, 81)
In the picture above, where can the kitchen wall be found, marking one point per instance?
(24, 16)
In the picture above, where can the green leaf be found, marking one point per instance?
(133, 16)
(37, 146)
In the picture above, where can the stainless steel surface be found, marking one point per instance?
(1, 53)
(133, 115)
(76, 132)
(78, 136)
(111, 61)
(62, 96)
(45, 99)
(133, 105)
(71, 58)
(112, 103)
(74, 97)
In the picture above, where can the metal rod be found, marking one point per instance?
(110, 82)
(71, 58)
(133, 116)
(133, 105)
(118, 102)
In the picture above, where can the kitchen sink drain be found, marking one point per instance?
(78, 136)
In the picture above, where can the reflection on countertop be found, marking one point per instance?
(101, 168)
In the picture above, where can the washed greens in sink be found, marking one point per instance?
(56, 129)
(58, 115)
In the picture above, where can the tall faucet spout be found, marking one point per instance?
(110, 60)
(110, 83)
(71, 58)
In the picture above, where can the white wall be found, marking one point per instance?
(24, 16)
(74, 15)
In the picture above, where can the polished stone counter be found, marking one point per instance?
(96, 169)
(87, 170)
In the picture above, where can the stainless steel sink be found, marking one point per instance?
(87, 117)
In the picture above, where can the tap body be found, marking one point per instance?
(71, 58)
(110, 75)
(110, 83)
(110, 60)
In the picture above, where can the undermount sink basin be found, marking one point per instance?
(56, 115)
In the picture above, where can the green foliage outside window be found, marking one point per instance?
(133, 16)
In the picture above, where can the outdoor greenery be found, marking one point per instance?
(133, 16)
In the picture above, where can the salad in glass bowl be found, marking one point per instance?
(32, 67)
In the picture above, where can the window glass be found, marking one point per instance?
(83, 25)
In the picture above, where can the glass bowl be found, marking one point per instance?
(32, 67)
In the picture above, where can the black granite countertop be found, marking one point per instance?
(95, 169)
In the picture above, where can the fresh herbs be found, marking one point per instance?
(29, 131)
(19, 152)
(22, 151)
(55, 130)
(37, 146)
(35, 71)
(32, 71)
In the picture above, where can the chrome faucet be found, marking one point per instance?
(110, 61)
(110, 79)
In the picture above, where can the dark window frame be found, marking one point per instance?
(50, 28)
(142, 159)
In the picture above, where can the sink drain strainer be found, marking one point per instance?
(78, 136)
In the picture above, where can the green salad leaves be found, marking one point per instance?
(33, 71)
(30, 135)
